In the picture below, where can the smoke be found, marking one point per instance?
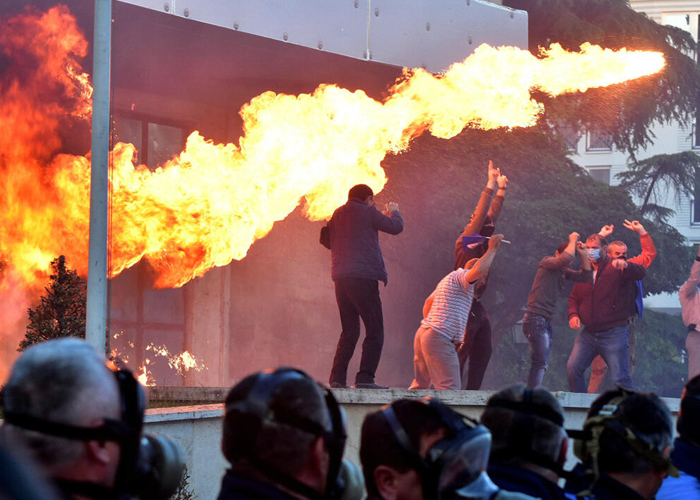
(14, 302)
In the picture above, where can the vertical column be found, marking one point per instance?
(96, 321)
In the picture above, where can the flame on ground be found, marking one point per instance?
(209, 204)
(181, 363)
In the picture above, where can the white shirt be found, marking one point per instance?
(452, 301)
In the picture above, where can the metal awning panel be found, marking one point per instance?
(413, 33)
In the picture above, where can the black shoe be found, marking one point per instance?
(338, 385)
(369, 385)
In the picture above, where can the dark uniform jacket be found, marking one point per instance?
(605, 303)
(235, 487)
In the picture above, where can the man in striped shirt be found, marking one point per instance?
(445, 316)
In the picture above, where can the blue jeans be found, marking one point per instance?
(538, 331)
(612, 345)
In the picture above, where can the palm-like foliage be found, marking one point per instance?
(650, 180)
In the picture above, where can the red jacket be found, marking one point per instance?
(604, 304)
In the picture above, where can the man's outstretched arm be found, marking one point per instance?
(482, 266)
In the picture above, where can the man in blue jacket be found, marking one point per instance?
(357, 267)
(686, 449)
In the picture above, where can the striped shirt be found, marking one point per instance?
(452, 301)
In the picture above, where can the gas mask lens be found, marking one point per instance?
(159, 468)
(461, 459)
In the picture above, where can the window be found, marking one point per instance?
(601, 174)
(598, 141)
(695, 131)
(681, 21)
(695, 204)
(570, 136)
(156, 142)
(139, 315)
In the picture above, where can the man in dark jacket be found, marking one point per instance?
(542, 301)
(686, 449)
(477, 345)
(603, 307)
(529, 441)
(357, 267)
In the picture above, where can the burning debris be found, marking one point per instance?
(181, 363)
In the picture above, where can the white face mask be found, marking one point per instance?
(594, 253)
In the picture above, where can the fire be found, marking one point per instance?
(207, 206)
(181, 363)
(144, 375)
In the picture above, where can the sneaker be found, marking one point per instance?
(338, 385)
(369, 385)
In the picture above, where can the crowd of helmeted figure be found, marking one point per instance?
(73, 428)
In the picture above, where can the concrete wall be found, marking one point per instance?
(198, 428)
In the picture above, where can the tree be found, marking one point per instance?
(651, 179)
(61, 312)
(625, 111)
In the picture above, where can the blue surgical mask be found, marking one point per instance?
(594, 253)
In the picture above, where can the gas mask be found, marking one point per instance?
(344, 480)
(455, 466)
(150, 467)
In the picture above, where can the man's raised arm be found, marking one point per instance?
(390, 221)
(648, 248)
(479, 215)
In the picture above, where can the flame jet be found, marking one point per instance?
(207, 205)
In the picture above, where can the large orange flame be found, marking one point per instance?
(207, 206)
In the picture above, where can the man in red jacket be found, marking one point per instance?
(603, 307)
(618, 249)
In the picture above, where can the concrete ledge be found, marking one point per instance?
(194, 412)
(370, 396)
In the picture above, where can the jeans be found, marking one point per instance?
(600, 378)
(476, 347)
(612, 345)
(435, 360)
(358, 298)
(538, 331)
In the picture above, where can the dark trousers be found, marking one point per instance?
(476, 346)
(358, 298)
